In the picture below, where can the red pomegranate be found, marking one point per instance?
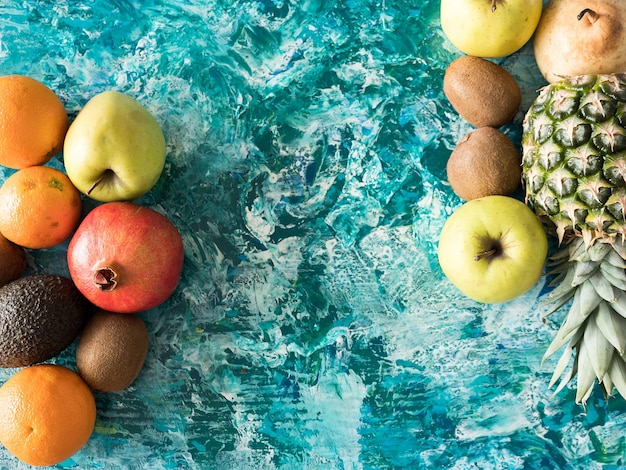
(125, 258)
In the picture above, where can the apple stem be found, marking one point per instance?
(105, 279)
(485, 254)
(494, 5)
(97, 182)
(593, 16)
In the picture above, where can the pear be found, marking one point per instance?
(581, 37)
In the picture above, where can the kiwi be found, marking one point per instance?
(12, 261)
(111, 350)
(481, 91)
(484, 163)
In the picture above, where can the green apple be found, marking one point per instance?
(115, 149)
(490, 28)
(493, 249)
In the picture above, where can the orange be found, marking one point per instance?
(39, 207)
(33, 122)
(47, 414)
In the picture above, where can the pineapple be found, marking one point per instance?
(574, 174)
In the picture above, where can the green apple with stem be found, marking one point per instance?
(115, 149)
(493, 249)
(490, 28)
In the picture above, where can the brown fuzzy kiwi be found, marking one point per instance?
(481, 91)
(111, 350)
(484, 163)
(12, 261)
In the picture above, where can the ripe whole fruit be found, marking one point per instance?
(489, 28)
(40, 207)
(47, 414)
(115, 149)
(125, 258)
(482, 92)
(40, 316)
(484, 163)
(12, 261)
(33, 122)
(574, 165)
(581, 37)
(573, 144)
(493, 249)
(111, 350)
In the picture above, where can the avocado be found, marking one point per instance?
(12, 261)
(111, 350)
(40, 316)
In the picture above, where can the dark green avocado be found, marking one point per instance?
(40, 316)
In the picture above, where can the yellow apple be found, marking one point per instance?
(490, 28)
(115, 149)
(493, 249)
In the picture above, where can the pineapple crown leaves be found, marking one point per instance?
(595, 326)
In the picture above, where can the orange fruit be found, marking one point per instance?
(39, 207)
(47, 414)
(33, 122)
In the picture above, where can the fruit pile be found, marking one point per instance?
(123, 258)
(573, 172)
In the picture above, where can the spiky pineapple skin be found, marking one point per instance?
(574, 156)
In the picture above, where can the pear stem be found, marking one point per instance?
(593, 16)
(494, 5)
(485, 254)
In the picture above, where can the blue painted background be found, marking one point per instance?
(312, 328)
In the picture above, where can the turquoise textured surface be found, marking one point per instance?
(312, 328)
